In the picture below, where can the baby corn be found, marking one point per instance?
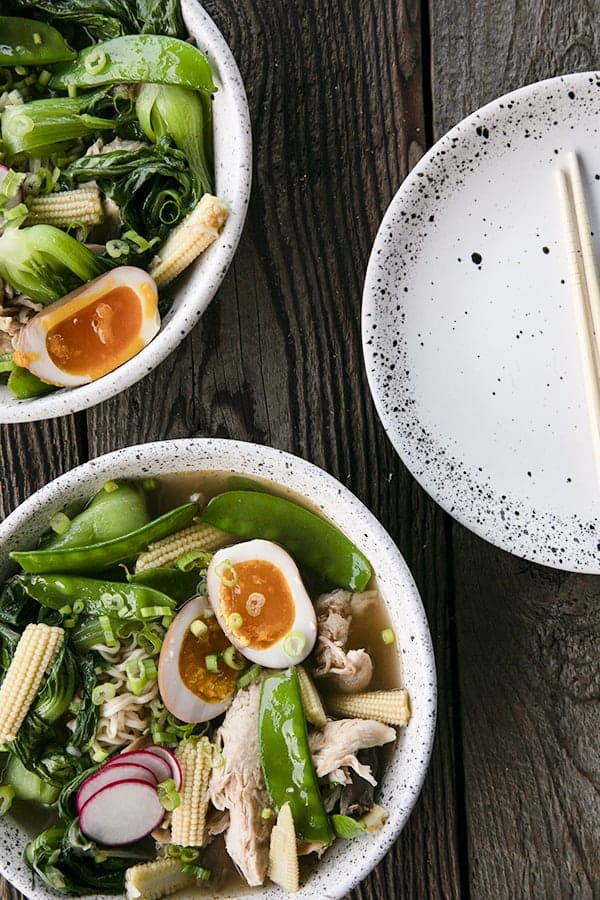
(391, 707)
(34, 655)
(83, 205)
(188, 823)
(160, 878)
(170, 549)
(313, 708)
(197, 232)
(283, 855)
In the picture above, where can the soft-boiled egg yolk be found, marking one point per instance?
(187, 687)
(92, 330)
(261, 603)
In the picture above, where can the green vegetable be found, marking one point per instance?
(176, 112)
(27, 785)
(285, 756)
(347, 827)
(24, 385)
(7, 795)
(27, 43)
(168, 795)
(178, 585)
(40, 127)
(106, 19)
(309, 539)
(117, 509)
(137, 58)
(98, 556)
(150, 185)
(44, 263)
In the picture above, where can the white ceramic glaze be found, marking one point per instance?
(196, 288)
(348, 861)
(469, 327)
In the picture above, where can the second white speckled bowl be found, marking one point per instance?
(347, 862)
(196, 288)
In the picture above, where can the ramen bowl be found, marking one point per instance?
(194, 290)
(347, 861)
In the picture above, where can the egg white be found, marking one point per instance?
(305, 622)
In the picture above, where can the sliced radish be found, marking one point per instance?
(159, 766)
(171, 759)
(108, 775)
(121, 813)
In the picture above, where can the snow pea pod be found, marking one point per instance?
(118, 508)
(99, 597)
(24, 385)
(285, 756)
(137, 58)
(26, 42)
(93, 558)
(312, 541)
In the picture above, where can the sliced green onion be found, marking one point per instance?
(266, 813)
(294, 644)
(189, 854)
(388, 636)
(37, 38)
(173, 850)
(44, 77)
(7, 793)
(230, 579)
(347, 827)
(168, 795)
(95, 62)
(71, 622)
(235, 621)
(65, 610)
(140, 242)
(150, 669)
(99, 755)
(110, 487)
(21, 70)
(108, 633)
(255, 603)
(212, 663)
(193, 559)
(200, 873)
(155, 612)
(198, 628)
(60, 523)
(78, 607)
(102, 693)
(248, 677)
(31, 79)
(117, 248)
(216, 760)
(5, 79)
(163, 737)
(233, 659)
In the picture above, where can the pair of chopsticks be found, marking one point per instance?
(586, 287)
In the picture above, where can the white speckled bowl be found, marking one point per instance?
(196, 288)
(348, 861)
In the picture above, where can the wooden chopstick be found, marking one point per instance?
(586, 291)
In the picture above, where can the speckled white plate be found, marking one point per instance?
(348, 861)
(196, 288)
(469, 330)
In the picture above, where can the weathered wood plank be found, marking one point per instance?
(526, 636)
(33, 454)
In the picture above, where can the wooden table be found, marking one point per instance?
(345, 97)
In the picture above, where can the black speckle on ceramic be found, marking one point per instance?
(196, 288)
(347, 862)
(469, 332)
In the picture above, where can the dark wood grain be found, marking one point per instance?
(529, 674)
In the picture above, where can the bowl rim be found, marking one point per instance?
(217, 260)
(166, 457)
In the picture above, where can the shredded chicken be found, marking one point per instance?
(334, 747)
(238, 787)
(348, 671)
(15, 311)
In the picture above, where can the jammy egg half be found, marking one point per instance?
(92, 330)
(261, 604)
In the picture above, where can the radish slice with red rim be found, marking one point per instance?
(108, 775)
(170, 758)
(121, 813)
(156, 764)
